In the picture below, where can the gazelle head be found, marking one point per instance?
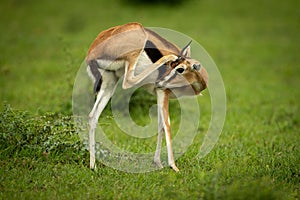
(185, 73)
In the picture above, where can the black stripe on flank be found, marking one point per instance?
(94, 67)
(152, 51)
(154, 54)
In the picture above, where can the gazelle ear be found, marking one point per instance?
(186, 51)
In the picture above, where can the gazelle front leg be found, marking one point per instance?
(157, 160)
(163, 107)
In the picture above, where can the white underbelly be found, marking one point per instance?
(118, 66)
(111, 65)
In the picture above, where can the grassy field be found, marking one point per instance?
(255, 44)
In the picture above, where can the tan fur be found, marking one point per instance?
(120, 50)
(110, 44)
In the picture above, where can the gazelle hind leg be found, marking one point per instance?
(103, 97)
(93, 120)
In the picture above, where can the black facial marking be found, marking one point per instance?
(180, 70)
(196, 66)
(94, 67)
(170, 79)
(177, 61)
(161, 72)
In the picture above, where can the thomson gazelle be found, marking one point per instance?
(143, 58)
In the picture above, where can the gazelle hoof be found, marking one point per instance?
(92, 164)
(174, 168)
(158, 164)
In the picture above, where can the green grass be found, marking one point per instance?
(256, 47)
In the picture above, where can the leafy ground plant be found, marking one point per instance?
(51, 135)
(43, 157)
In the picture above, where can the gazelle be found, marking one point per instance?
(144, 58)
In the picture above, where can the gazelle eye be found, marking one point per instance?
(180, 70)
(196, 66)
